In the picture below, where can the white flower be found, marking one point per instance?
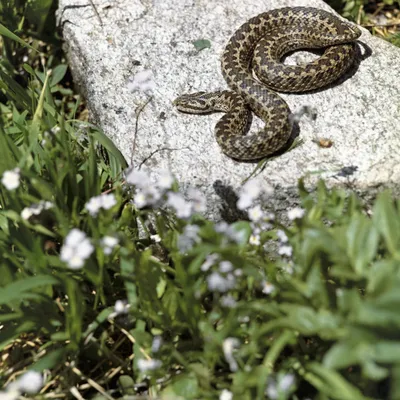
(296, 213)
(108, 243)
(280, 386)
(142, 81)
(228, 301)
(197, 199)
(140, 200)
(137, 177)
(225, 266)
(182, 208)
(11, 393)
(148, 365)
(109, 201)
(146, 196)
(210, 260)
(103, 201)
(121, 307)
(35, 209)
(165, 180)
(238, 272)
(156, 344)
(285, 250)
(76, 249)
(93, 205)
(237, 236)
(254, 240)
(256, 213)
(11, 179)
(30, 382)
(155, 238)
(268, 287)
(282, 236)
(74, 237)
(250, 191)
(286, 382)
(272, 390)
(288, 269)
(226, 395)
(228, 346)
(219, 283)
(188, 237)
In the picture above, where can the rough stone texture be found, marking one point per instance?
(359, 115)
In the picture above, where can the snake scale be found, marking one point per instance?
(259, 45)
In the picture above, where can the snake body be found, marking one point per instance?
(259, 45)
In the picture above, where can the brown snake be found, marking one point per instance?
(259, 45)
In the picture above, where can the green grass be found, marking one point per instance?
(175, 306)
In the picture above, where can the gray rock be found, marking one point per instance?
(108, 46)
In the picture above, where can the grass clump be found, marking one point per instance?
(114, 286)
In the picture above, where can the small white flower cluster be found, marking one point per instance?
(285, 249)
(120, 307)
(35, 209)
(252, 191)
(277, 388)
(143, 81)
(226, 395)
(156, 344)
(151, 194)
(30, 382)
(76, 249)
(267, 287)
(228, 347)
(148, 365)
(188, 238)
(103, 201)
(184, 208)
(147, 193)
(228, 301)
(296, 213)
(217, 282)
(230, 233)
(222, 280)
(108, 243)
(11, 179)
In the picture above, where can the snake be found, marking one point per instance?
(253, 68)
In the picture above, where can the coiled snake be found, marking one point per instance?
(259, 45)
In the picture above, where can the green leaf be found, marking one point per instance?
(19, 290)
(201, 44)
(362, 243)
(387, 221)
(50, 360)
(331, 383)
(114, 154)
(37, 12)
(184, 387)
(5, 32)
(345, 354)
(58, 74)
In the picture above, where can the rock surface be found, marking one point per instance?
(109, 45)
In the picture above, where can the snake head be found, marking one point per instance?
(347, 32)
(194, 103)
